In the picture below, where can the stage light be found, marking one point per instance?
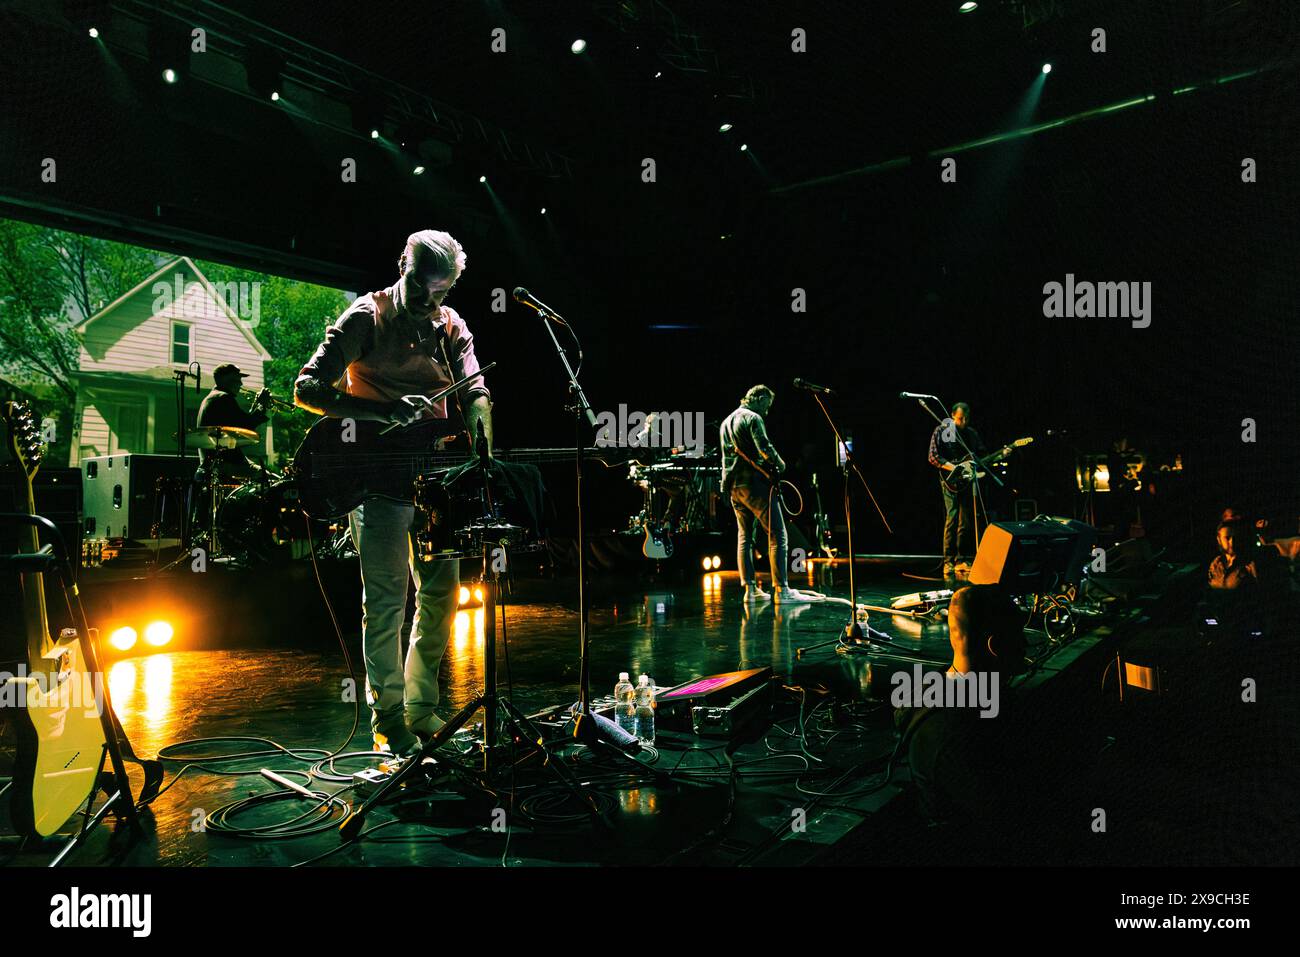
(374, 134)
(724, 128)
(482, 179)
(543, 210)
(707, 564)
(744, 147)
(275, 96)
(478, 593)
(967, 7)
(658, 74)
(123, 639)
(717, 561)
(158, 633)
(577, 46)
(94, 34)
(1047, 68)
(169, 75)
(464, 594)
(418, 170)
(264, 71)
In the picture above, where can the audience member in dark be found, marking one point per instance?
(1235, 565)
(963, 765)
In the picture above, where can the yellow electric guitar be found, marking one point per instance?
(55, 705)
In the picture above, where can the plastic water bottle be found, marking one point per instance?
(645, 711)
(625, 703)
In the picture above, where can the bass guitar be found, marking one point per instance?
(970, 469)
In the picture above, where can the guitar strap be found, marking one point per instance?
(729, 437)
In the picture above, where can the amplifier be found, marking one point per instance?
(125, 495)
(58, 497)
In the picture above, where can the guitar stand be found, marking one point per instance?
(116, 749)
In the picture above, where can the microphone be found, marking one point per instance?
(592, 727)
(813, 387)
(198, 379)
(526, 298)
(917, 395)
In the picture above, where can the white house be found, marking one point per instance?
(132, 348)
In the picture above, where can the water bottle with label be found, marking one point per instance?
(625, 703)
(645, 711)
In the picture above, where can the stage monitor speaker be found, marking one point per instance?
(1033, 557)
(125, 495)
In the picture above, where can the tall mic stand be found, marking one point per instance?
(584, 726)
(852, 633)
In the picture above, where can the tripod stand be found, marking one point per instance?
(495, 560)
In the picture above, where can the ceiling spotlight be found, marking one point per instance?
(275, 96)
(725, 127)
(482, 179)
(1047, 68)
(374, 134)
(967, 7)
(658, 74)
(543, 210)
(744, 147)
(169, 75)
(418, 170)
(577, 46)
(94, 33)
(264, 71)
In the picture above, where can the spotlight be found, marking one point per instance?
(158, 633)
(418, 170)
(707, 563)
(264, 71)
(123, 639)
(744, 147)
(168, 47)
(724, 128)
(1047, 68)
(658, 74)
(94, 33)
(717, 561)
(374, 134)
(577, 46)
(464, 595)
(543, 210)
(478, 594)
(482, 179)
(169, 75)
(967, 7)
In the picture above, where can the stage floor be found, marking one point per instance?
(800, 789)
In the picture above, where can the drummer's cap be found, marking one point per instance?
(227, 368)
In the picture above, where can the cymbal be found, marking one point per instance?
(219, 437)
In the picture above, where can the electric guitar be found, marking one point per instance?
(60, 731)
(970, 469)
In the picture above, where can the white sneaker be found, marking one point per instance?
(790, 596)
(754, 593)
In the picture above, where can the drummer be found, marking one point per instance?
(221, 407)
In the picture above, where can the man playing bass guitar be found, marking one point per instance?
(380, 361)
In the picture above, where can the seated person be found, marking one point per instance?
(1234, 566)
(963, 764)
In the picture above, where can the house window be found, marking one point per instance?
(182, 342)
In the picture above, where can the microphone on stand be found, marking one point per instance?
(526, 298)
(198, 378)
(813, 387)
(917, 395)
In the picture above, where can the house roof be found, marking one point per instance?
(146, 285)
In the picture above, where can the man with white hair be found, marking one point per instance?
(398, 342)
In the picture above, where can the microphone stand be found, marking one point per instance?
(852, 631)
(584, 725)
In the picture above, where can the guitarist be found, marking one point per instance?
(751, 467)
(386, 353)
(948, 447)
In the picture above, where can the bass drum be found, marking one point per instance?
(263, 523)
